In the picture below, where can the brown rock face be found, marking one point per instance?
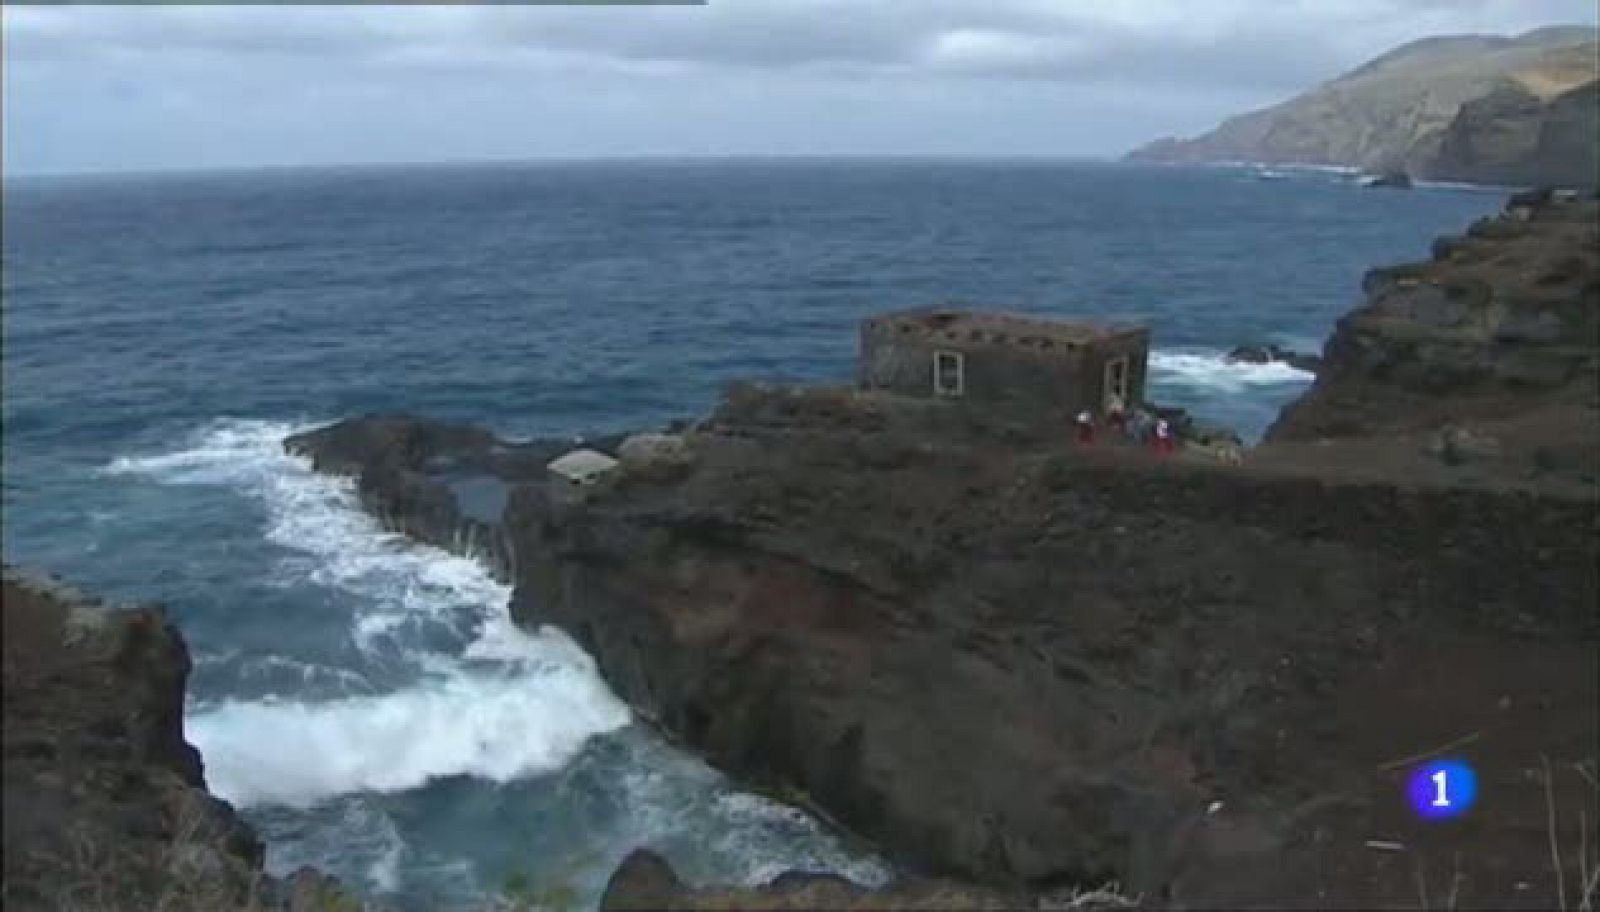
(1498, 331)
(105, 807)
(1038, 670)
(1513, 137)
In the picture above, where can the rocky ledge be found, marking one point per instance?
(1500, 322)
(1479, 366)
(1012, 662)
(105, 804)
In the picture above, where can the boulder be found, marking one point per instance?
(644, 881)
(1255, 354)
(1455, 445)
(1212, 436)
(660, 457)
(1395, 179)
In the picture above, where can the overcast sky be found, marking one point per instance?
(126, 88)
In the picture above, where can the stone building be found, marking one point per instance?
(1028, 365)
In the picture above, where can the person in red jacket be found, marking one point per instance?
(1085, 425)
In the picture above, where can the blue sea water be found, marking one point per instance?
(366, 701)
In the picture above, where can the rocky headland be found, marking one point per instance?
(1483, 358)
(1013, 663)
(105, 804)
(1519, 111)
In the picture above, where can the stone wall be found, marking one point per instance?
(1031, 376)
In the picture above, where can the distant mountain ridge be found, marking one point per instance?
(1477, 108)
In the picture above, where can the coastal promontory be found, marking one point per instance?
(1004, 659)
(1475, 108)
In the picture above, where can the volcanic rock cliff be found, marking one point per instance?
(105, 805)
(1476, 108)
(1492, 342)
(1009, 661)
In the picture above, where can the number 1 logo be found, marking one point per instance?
(1442, 788)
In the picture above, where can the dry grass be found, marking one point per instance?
(1588, 856)
(101, 872)
(1108, 896)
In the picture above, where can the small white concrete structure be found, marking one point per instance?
(578, 471)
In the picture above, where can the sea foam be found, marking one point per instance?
(489, 700)
(1212, 372)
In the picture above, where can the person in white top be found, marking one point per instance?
(1163, 438)
(1085, 424)
(1116, 412)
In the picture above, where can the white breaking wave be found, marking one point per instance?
(1212, 372)
(499, 704)
(1496, 189)
(492, 725)
(353, 830)
(746, 812)
(682, 807)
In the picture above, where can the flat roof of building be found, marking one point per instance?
(962, 321)
(582, 465)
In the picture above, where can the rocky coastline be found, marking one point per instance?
(105, 803)
(1012, 663)
(1024, 670)
(1509, 111)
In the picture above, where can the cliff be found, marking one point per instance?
(105, 805)
(1495, 336)
(1477, 108)
(1015, 663)
(1038, 670)
(1513, 136)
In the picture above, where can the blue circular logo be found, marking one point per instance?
(1442, 789)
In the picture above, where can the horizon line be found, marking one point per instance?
(655, 158)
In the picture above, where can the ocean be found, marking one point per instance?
(365, 701)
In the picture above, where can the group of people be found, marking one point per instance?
(1138, 425)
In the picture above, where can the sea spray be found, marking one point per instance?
(523, 705)
(1212, 372)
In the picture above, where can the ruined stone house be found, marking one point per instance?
(1026, 365)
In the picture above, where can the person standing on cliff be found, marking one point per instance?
(1116, 413)
(1163, 437)
(1085, 425)
(1139, 426)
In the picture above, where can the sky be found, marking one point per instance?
(109, 88)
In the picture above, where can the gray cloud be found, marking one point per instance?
(92, 87)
